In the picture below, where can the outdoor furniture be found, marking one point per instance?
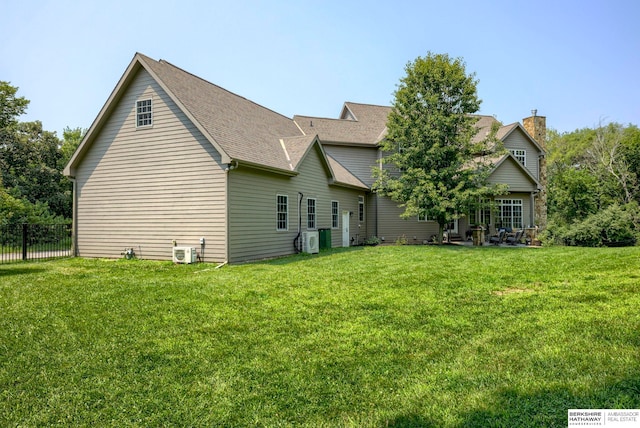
(515, 240)
(499, 238)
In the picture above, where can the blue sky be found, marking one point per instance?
(576, 62)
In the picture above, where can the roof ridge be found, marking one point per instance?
(368, 104)
(322, 118)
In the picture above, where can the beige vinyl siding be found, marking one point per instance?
(392, 227)
(358, 160)
(252, 209)
(518, 140)
(509, 172)
(142, 188)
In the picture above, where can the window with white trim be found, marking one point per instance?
(335, 214)
(520, 155)
(509, 213)
(360, 208)
(144, 113)
(282, 212)
(311, 213)
(423, 217)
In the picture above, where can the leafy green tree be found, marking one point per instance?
(593, 175)
(11, 107)
(573, 195)
(606, 160)
(33, 187)
(29, 161)
(568, 149)
(29, 158)
(631, 151)
(71, 139)
(430, 142)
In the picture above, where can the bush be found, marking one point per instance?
(372, 241)
(615, 226)
(17, 211)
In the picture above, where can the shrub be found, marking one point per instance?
(613, 226)
(372, 241)
(402, 240)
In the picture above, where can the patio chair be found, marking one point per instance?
(499, 238)
(515, 240)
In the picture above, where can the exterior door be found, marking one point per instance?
(345, 228)
(453, 226)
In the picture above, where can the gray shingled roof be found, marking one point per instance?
(368, 128)
(483, 125)
(246, 131)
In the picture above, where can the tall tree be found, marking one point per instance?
(592, 169)
(29, 162)
(71, 139)
(11, 107)
(430, 142)
(607, 160)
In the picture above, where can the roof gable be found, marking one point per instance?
(343, 177)
(508, 157)
(239, 129)
(105, 111)
(297, 150)
(507, 130)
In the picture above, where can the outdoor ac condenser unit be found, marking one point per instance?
(184, 255)
(310, 242)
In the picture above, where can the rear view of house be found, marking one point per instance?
(172, 159)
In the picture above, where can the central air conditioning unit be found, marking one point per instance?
(310, 242)
(184, 255)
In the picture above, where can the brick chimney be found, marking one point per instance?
(536, 126)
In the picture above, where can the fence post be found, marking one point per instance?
(25, 229)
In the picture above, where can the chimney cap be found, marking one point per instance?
(534, 112)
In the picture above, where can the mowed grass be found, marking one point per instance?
(368, 337)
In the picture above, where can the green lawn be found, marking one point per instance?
(368, 337)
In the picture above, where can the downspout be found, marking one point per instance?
(532, 209)
(296, 240)
(378, 196)
(229, 167)
(74, 217)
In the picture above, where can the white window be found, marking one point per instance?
(144, 113)
(335, 214)
(360, 208)
(311, 213)
(282, 212)
(520, 155)
(509, 213)
(423, 217)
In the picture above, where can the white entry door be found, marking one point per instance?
(345, 228)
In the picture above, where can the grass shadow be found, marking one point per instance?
(548, 407)
(295, 258)
(410, 421)
(20, 271)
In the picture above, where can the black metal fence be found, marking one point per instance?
(20, 242)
